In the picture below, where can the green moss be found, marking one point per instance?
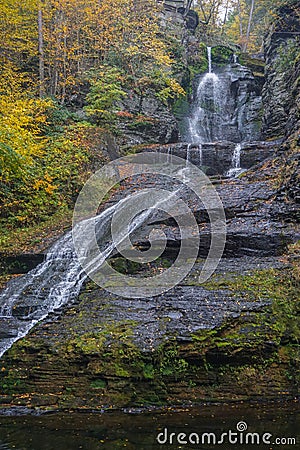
(125, 266)
(93, 343)
(221, 54)
(277, 323)
(169, 362)
(254, 354)
(149, 372)
(11, 381)
(181, 107)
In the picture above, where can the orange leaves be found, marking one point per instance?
(125, 114)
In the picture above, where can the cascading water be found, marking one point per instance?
(235, 59)
(52, 284)
(206, 121)
(235, 162)
(200, 155)
(188, 154)
(225, 109)
(58, 280)
(169, 157)
(209, 59)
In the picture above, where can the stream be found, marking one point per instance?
(135, 430)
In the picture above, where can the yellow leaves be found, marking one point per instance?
(48, 178)
(175, 87)
(45, 185)
(20, 122)
(21, 218)
(132, 50)
(50, 188)
(21, 128)
(37, 184)
(80, 33)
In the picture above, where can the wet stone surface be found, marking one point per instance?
(180, 312)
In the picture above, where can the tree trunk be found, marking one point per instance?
(249, 25)
(188, 7)
(225, 16)
(64, 70)
(41, 52)
(240, 19)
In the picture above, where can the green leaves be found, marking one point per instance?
(106, 90)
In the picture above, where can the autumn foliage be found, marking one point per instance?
(49, 49)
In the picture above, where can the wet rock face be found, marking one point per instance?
(226, 105)
(194, 343)
(20, 263)
(191, 19)
(247, 106)
(146, 119)
(281, 95)
(215, 158)
(247, 103)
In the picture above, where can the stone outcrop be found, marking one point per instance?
(145, 120)
(230, 100)
(215, 158)
(174, 13)
(207, 341)
(281, 93)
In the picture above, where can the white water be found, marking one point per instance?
(200, 155)
(209, 60)
(188, 154)
(235, 162)
(208, 112)
(208, 115)
(169, 157)
(211, 117)
(58, 280)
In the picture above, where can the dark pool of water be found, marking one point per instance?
(138, 431)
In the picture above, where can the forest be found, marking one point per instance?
(64, 67)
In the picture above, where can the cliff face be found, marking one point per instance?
(281, 93)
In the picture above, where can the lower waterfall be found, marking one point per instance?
(58, 280)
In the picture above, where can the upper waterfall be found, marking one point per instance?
(209, 59)
(226, 105)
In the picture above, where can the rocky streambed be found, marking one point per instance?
(235, 337)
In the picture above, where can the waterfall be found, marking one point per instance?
(192, 156)
(57, 281)
(210, 119)
(206, 121)
(235, 162)
(169, 155)
(188, 154)
(200, 155)
(53, 283)
(209, 59)
(224, 105)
